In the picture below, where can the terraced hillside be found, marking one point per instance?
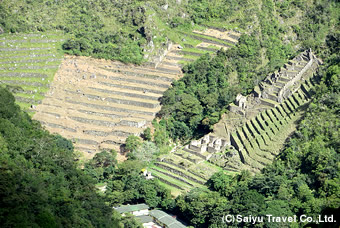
(98, 103)
(206, 40)
(254, 131)
(28, 63)
(183, 170)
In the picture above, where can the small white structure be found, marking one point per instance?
(241, 101)
(147, 174)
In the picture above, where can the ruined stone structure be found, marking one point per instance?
(251, 134)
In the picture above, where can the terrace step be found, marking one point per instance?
(286, 110)
(27, 83)
(284, 79)
(280, 83)
(207, 40)
(26, 100)
(141, 69)
(54, 125)
(270, 125)
(306, 90)
(194, 153)
(245, 159)
(170, 181)
(93, 109)
(276, 88)
(178, 58)
(170, 63)
(30, 56)
(121, 108)
(292, 102)
(250, 150)
(118, 99)
(135, 73)
(260, 131)
(289, 106)
(184, 166)
(302, 95)
(261, 143)
(207, 49)
(256, 141)
(171, 175)
(137, 79)
(278, 116)
(143, 82)
(128, 94)
(297, 99)
(264, 126)
(269, 103)
(225, 40)
(185, 52)
(178, 177)
(24, 49)
(189, 156)
(272, 97)
(181, 172)
(109, 147)
(133, 81)
(133, 87)
(20, 61)
(23, 75)
(168, 70)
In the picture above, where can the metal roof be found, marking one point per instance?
(158, 214)
(144, 218)
(166, 219)
(131, 208)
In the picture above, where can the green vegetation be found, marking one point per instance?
(41, 185)
(28, 64)
(196, 101)
(116, 29)
(304, 179)
(146, 152)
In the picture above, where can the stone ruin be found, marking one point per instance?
(271, 92)
(206, 146)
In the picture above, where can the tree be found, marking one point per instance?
(201, 207)
(102, 165)
(145, 152)
(132, 142)
(129, 221)
(147, 134)
(222, 183)
(41, 184)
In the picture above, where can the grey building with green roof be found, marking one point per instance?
(150, 218)
(137, 209)
(165, 220)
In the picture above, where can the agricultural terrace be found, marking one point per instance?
(28, 63)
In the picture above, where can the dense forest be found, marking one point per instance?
(42, 184)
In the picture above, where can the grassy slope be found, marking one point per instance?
(24, 54)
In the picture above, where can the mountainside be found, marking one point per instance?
(199, 108)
